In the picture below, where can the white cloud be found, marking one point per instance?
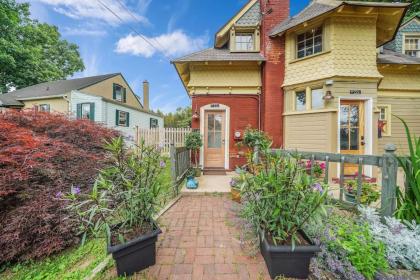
(176, 43)
(92, 9)
(82, 31)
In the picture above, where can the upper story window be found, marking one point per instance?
(244, 42)
(412, 46)
(309, 43)
(119, 93)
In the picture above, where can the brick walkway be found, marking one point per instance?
(199, 241)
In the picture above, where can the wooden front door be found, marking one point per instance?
(352, 128)
(214, 139)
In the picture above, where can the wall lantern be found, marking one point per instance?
(328, 96)
(196, 115)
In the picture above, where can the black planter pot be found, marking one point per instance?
(282, 261)
(135, 255)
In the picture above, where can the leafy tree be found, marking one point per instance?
(181, 118)
(32, 52)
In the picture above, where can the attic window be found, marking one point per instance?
(244, 42)
(119, 93)
(412, 46)
(309, 43)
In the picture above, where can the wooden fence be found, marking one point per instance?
(387, 162)
(162, 137)
(180, 164)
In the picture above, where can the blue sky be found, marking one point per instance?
(107, 45)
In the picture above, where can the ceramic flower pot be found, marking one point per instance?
(283, 261)
(350, 197)
(137, 254)
(192, 183)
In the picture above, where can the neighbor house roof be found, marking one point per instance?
(212, 54)
(9, 100)
(318, 8)
(391, 57)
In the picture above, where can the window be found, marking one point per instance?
(44, 108)
(412, 46)
(122, 118)
(244, 42)
(86, 111)
(309, 43)
(154, 123)
(384, 123)
(300, 102)
(119, 93)
(317, 99)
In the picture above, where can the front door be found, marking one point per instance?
(214, 139)
(352, 128)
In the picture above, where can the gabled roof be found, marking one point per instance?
(391, 57)
(212, 54)
(56, 88)
(320, 7)
(410, 18)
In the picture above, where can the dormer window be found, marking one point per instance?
(244, 42)
(119, 93)
(309, 43)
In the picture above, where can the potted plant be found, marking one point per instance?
(368, 195)
(191, 183)
(279, 201)
(318, 168)
(121, 206)
(235, 190)
(193, 142)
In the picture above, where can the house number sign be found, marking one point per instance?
(215, 105)
(355, 91)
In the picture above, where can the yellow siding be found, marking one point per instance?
(105, 89)
(409, 110)
(59, 105)
(349, 51)
(400, 79)
(311, 132)
(212, 79)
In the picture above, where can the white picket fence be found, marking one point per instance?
(162, 137)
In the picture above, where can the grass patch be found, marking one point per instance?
(74, 263)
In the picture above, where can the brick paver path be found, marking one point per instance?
(199, 241)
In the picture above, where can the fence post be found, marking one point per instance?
(172, 152)
(389, 180)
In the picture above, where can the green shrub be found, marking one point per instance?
(256, 138)
(193, 142)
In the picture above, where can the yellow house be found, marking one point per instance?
(107, 99)
(341, 88)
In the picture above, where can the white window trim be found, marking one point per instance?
(404, 35)
(322, 42)
(388, 117)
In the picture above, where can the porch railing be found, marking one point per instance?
(387, 163)
(180, 164)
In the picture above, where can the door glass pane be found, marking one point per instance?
(210, 122)
(354, 115)
(218, 139)
(354, 139)
(344, 139)
(210, 140)
(344, 115)
(218, 122)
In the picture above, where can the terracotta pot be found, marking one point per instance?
(236, 195)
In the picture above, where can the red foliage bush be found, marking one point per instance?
(42, 154)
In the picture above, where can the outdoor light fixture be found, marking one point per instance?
(196, 115)
(328, 96)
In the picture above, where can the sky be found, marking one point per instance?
(110, 45)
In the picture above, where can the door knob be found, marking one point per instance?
(363, 141)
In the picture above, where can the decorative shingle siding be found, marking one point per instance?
(251, 17)
(412, 27)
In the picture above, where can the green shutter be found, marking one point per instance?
(128, 119)
(117, 117)
(114, 95)
(92, 112)
(124, 95)
(79, 111)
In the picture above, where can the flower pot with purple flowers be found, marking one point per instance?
(121, 206)
(368, 194)
(279, 201)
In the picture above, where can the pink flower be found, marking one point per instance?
(322, 165)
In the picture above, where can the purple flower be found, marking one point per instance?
(317, 187)
(162, 164)
(59, 194)
(75, 190)
(232, 182)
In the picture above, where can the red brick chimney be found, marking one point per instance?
(274, 12)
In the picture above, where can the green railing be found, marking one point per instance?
(387, 163)
(180, 164)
